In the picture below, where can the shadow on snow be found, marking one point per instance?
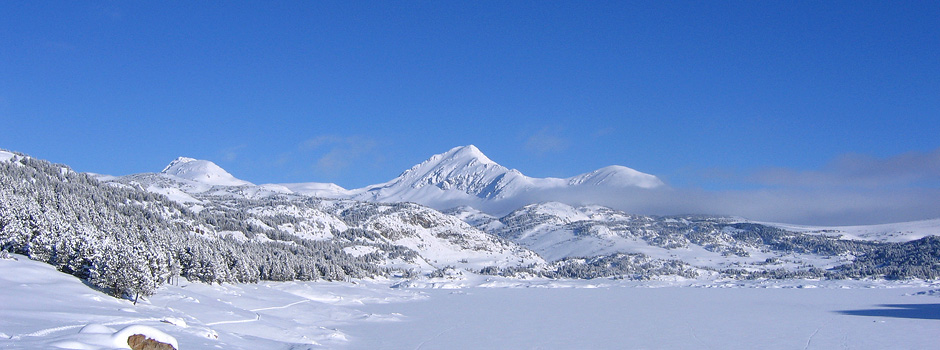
(919, 311)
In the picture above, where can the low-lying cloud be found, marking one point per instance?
(811, 207)
(853, 189)
(863, 171)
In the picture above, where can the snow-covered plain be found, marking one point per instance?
(42, 308)
(893, 232)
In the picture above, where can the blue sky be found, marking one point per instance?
(722, 97)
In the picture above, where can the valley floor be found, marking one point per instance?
(42, 308)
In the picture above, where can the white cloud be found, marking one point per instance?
(337, 153)
(546, 141)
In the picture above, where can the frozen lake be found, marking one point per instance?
(657, 318)
(42, 308)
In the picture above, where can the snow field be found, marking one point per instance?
(656, 318)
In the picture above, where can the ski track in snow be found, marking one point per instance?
(257, 315)
(697, 339)
(438, 335)
(48, 331)
(257, 318)
(280, 307)
(810, 340)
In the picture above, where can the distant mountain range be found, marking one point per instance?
(466, 182)
(462, 176)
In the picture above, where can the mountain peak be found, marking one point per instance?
(468, 152)
(202, 171)
(177, 162)
(460, 169)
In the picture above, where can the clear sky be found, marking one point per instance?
(749, 97)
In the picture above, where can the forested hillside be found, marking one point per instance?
(129, 241)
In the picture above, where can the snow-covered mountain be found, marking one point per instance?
(465, 176)
(462, 176)
(202, 171)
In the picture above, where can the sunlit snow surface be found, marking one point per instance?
(44, 309)
(5, 156)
